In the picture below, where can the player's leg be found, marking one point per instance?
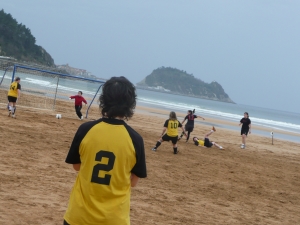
(158, 143)
(187, 129)
(174, 143)
(10, 104)
(218, 146)
(181, 135)
(244, 133)
(188, 135)
(213, 129)
(13, 111)
(244, 136)
(78, 113)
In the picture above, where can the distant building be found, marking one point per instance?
(74, 71)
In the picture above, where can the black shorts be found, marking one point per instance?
(168, 138)
(244, 131)
(207, 143)
(12, 99)
(189, 128)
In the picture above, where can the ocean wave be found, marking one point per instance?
(224, 115)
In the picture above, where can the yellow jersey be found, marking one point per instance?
(13, 89)
(172, 126)
(109, 151)
(199, 142)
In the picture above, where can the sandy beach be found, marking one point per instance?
(258, 185)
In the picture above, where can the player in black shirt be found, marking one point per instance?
(189, 127)
(246, 128)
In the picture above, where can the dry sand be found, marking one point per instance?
(259, 185)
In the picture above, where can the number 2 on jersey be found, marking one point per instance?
(103, 167)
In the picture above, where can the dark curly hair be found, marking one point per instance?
(118, 98)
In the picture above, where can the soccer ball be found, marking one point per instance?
(58, 116)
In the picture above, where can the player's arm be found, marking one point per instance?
(200, 117)
(134, 179)
(183, 131)
(163, 131)
(183, 121)
(84, 101)
(250, 128)
(19, 90)
(71, 97)
(76, 166)
(241, 122)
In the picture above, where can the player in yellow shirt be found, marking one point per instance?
(206, 142)
(13, 95)
(109, 157)
(170, 132)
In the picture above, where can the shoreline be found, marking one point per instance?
(223, 124)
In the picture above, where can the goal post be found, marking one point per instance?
(44, 89)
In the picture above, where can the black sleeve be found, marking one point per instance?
(139, 168)
(241, 121)
(195, 116)
(186, 117)
(19, 86)
(73, 156)
(179, 124)
(166, 123)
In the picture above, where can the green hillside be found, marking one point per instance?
(16, 41)
(180, 82)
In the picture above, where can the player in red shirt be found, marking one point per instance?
(78, 103)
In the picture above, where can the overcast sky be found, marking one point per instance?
(250, 47)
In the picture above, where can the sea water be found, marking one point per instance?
(272, 120)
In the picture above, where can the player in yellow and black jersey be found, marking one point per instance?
(206, 142)
(170, 132)
(110, 158)
(13, 95)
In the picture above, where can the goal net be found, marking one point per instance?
(42, 89)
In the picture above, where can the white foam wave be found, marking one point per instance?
(48, 84)
(230, 116)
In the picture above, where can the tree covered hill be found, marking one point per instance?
(180, 82)
(16, 41)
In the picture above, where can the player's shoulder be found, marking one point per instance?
(88, 125)
(133, 133)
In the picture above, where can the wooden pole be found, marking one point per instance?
(272, 136)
